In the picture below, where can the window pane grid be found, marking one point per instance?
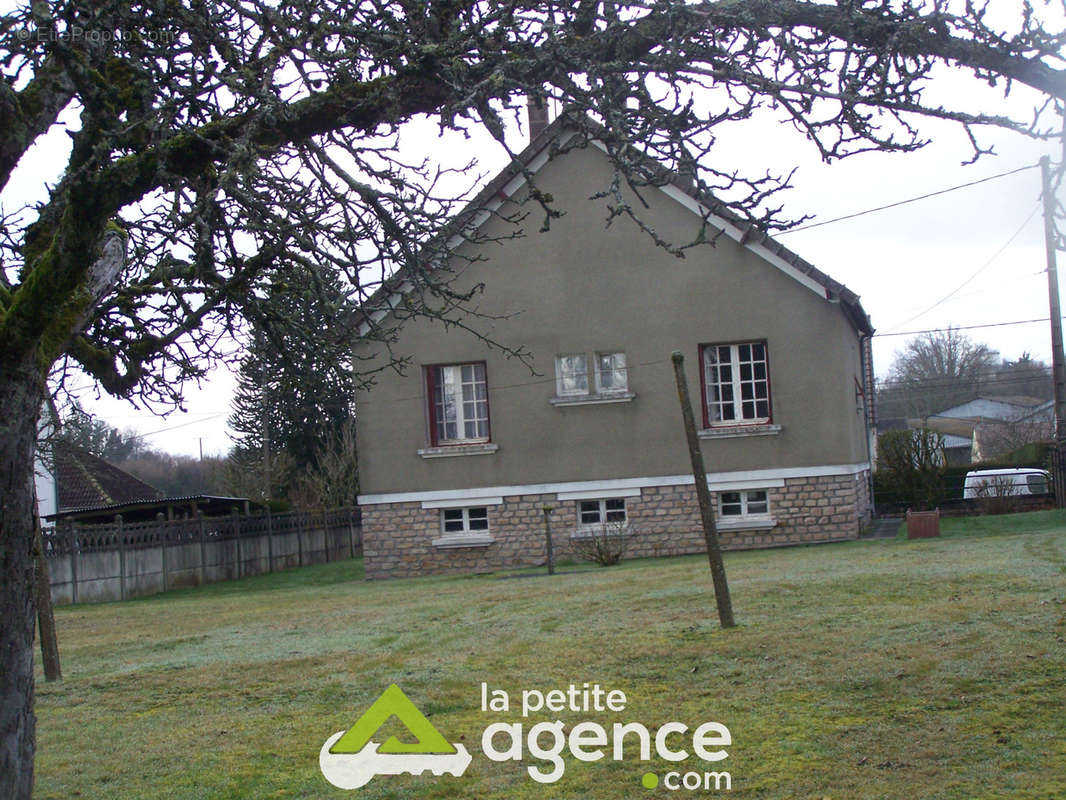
(460, 400)
(571, 374)
(736, 383)
(598, 512)
(465, 520)
(608, 370)
(751, 503)
(611, 373)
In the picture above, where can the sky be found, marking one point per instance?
(974, 256)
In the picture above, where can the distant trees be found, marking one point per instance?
(180, 475)
(82, 429)
(1025, 376)
(941, 369)
(174, 475)
(935, 371)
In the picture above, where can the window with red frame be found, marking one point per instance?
(736, 383)
(459, 404)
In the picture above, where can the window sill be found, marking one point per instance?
(449, 450)
(750, 524)
(739, 431)
(593, 399)
(457, 540)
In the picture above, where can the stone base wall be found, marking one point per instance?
(664, 521)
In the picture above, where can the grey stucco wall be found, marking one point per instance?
(582, 288)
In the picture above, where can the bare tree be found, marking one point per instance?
(333, 480)
(937, 370)
(214, 143)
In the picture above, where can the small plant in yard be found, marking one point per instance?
(603, 544)
(994, 495)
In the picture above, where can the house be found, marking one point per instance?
(988, 428)
(1005, 409)
(77, 486)
(462, 454)
(958, 433)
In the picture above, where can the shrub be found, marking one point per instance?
(604, 544)
(912, 466)
(994, 495)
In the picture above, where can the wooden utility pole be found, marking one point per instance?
(46, 621)
(703, 495)
(266, 448)
(1058, 361)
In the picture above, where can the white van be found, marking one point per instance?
(1006, 482)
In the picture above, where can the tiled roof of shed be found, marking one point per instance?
(86, 481)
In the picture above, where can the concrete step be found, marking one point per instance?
(882, 528)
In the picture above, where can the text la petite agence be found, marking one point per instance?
(588, 740)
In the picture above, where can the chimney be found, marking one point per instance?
(686, 172)
(537, 109)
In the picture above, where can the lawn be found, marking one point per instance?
(880, 669)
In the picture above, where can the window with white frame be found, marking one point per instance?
(611, 374)
(601, 376)
(456, 521)
(736, 384)
(459, 404)
(739, 505)
(571, 375)
(599, 512)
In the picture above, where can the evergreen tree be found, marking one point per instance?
(82, 429)
(295, 383)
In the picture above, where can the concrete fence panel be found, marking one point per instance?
(116, 561)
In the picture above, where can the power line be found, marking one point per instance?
(962, 327)
(979, 381)
(979, 270)
(905, 202)
(182, 425)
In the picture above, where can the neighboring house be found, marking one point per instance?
(460, 456)
(994, 439)
(88, 490)
(987, 428)
(1005, 409)
(958, 436)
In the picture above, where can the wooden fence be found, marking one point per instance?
(98, 563)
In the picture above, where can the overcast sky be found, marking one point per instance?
(907, 263)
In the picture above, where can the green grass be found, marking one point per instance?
(995, 525)
(881, 669)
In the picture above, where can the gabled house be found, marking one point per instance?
(1004, 409)
(988, 428)
(461, 455)
(77, 486)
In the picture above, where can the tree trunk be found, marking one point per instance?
(21, 394)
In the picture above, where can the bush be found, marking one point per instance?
(912, 467)
(604, 545)
(995, 496)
